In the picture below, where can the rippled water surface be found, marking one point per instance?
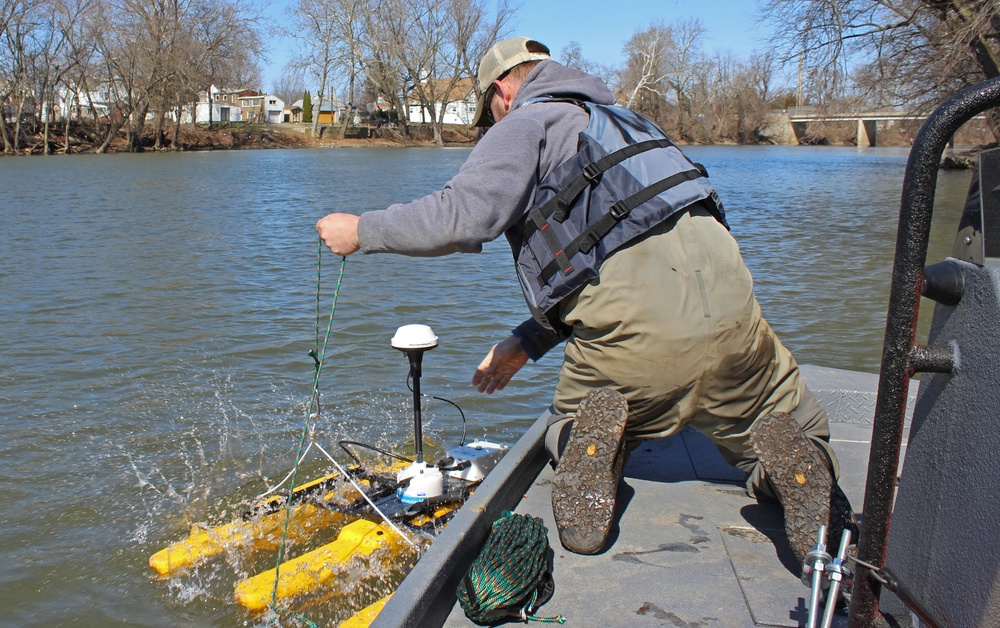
(157, 311)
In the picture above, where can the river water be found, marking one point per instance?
(157, 311)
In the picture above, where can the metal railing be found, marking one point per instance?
(901, 355)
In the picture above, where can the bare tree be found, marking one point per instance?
(418, 41)
(731, 99)
(314, 28)
(643, 81)
(42, 42)
(645, 74)
(227, 43)
(133, 50)
(79, 54)
(667, 78)
(18, 64)
(572, 56)
(349, 25)
(10, 13)
(473, 30)
(435, 43)
(487, 32)
(289, 86)
(37, 43)
(912, 52)
(9, 9)
(716, 94)
(385, 74)
(681, 64)
(759, 79)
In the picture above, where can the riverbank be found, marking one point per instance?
(243, 137)
(192, 138)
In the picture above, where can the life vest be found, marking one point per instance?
(626, 178)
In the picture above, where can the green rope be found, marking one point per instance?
(310, 414)
(509, 578)
(302, 618)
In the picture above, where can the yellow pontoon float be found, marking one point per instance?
(385, 516)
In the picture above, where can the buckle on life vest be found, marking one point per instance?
(619, 210)
(591, 171)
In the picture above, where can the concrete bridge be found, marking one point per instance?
(789, 126)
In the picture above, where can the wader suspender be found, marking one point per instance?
(559, 205)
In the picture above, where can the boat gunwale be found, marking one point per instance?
(428, 593)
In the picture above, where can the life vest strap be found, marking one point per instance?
(616, 213)
(559, 205)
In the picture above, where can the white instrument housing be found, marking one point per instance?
(481, 455)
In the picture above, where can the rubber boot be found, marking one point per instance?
(586, 480)
(800, 473)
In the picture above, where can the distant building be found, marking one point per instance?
(259, 107)
(100, 103)
(224, 107)
(292, 113)
(227, 96)
(459, 104)
(329, 112)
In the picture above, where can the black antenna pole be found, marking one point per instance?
(416, 357)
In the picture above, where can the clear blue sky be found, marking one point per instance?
(602, 27)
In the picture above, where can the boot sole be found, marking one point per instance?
(800, 473)
(586, 480)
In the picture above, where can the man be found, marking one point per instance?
(623, 252)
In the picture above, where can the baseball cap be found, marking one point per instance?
(497, 61)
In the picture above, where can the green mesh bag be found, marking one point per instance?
(510, 578)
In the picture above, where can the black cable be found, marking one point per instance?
(464, 422)
(343, 443)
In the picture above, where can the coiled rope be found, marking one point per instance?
(510, 578)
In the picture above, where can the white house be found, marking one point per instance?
(103, 101)
(224, 108)
(220, 113)
(274, 108)
(459, 105)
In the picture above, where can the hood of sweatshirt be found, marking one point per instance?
(555, 80)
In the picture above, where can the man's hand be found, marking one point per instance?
(504, 360)
(340, 233)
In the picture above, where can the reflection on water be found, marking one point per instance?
(157, 311)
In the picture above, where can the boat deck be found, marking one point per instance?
(689, 547)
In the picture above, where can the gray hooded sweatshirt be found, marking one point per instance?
(496, 186)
